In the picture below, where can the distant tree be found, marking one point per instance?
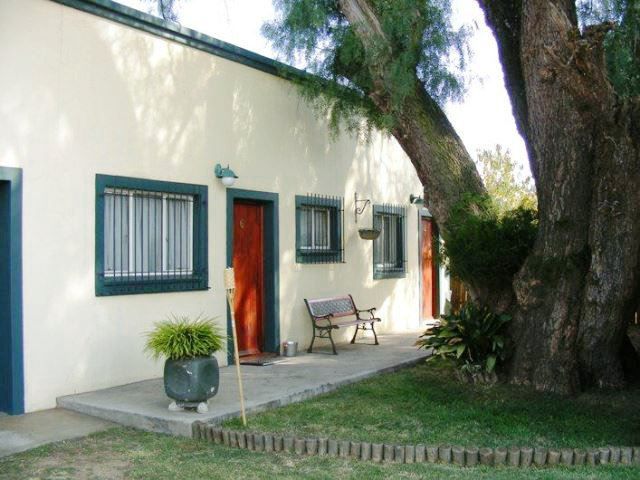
(504, 180)
(165, 9)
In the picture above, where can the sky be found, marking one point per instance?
(483, 118)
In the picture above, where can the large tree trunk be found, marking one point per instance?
(576, 290)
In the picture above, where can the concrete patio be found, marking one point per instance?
(24, 432)
(144, 404)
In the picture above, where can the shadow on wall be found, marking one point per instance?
(378, 170)
(109, 99)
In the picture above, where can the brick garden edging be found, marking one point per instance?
(378, 452)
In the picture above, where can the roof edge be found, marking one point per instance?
(186, 36)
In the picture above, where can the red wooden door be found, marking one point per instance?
(429, 271)
(248, 260)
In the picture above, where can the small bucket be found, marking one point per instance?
(290, 348)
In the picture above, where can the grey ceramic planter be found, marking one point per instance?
(192, 380)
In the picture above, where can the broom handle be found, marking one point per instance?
(230, 298)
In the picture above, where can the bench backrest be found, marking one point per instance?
(337, 306)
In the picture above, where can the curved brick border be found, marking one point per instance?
(378, 452)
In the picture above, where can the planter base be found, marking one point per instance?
(201, 407)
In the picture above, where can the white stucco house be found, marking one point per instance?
(112, 123)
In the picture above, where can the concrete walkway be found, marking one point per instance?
(24, 432)
(144, 404)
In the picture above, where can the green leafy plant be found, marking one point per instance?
(484, 246)
(473, 337)
(180, 337)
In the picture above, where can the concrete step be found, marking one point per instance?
(144, 404)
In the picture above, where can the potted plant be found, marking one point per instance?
(191, 373)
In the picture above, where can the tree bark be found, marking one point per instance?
(576, 290)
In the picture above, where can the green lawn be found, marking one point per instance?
(425, 405)
(417, 405)
(128, 454)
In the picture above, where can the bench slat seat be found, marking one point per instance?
(331, 313)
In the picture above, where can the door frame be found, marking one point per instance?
(14, 177)
(423, 213)
(271, 321)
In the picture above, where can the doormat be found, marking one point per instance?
(262, 359)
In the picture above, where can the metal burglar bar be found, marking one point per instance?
(319, 227)
(149, 239)
(389, 249)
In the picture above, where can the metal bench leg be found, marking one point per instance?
(353, 340)
(310, 349)
(333, 345)
(374, 333)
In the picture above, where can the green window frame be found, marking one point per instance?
(151, 236)
(390, 248)
(319, 229)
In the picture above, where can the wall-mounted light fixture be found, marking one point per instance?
(226, 175)
(416, 200)
(360, 210)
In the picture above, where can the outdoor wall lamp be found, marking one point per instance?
(416, 200)
(226, 175)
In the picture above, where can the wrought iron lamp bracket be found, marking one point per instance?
(360, 210)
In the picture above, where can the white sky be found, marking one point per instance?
(483, 118)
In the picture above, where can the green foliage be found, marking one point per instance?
(485, 247)
(180, 338)
(505, 181)
(473, 337)
(417, 48)
(622, 44)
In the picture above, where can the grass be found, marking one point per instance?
(425, 405)
(417, 405)
(124, 453)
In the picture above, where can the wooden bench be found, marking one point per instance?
(328, 314)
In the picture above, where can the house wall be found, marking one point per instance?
(81, 95)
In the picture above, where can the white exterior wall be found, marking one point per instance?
(81, 95)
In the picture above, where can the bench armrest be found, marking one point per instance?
(324, 317)
(370, 310)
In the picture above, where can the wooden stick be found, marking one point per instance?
(230, 286)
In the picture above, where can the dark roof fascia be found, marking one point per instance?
(186, 36)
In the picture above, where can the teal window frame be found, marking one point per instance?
(198, 279)
(400, 271)
(335, 252)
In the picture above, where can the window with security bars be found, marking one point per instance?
(151, 236)
(319, 226)
(389, 249)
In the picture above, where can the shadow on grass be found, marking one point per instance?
(427, 405)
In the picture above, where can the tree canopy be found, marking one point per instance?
(420, 35)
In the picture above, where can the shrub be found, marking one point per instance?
(473, 337)
(484, 247)
(180, 338)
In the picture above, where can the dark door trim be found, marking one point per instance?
(16, 369)
(271, 264)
